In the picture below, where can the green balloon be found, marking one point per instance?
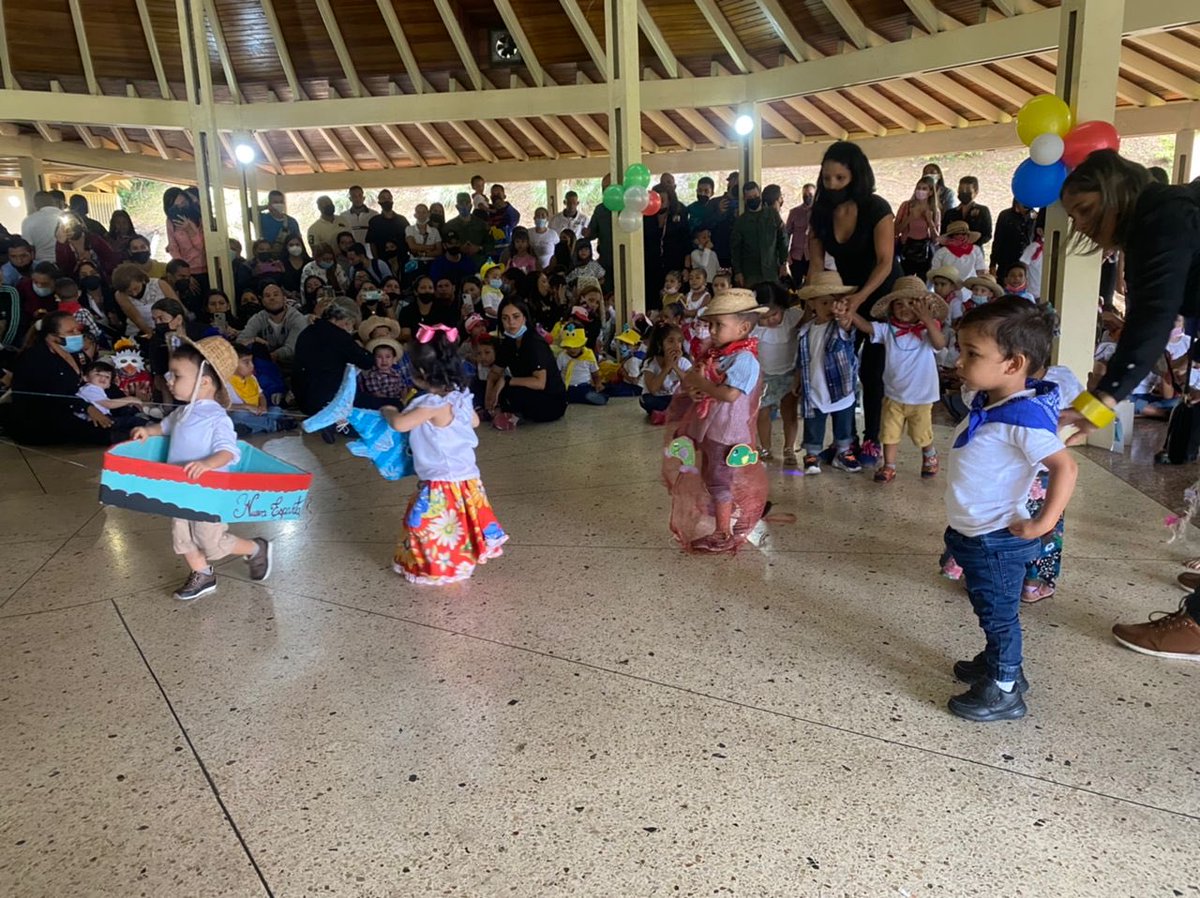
(614, 197)
(637, 175)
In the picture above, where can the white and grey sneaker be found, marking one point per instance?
(197, 584)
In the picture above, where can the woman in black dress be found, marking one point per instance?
(855, 226)
(534, 389)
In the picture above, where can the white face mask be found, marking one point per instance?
(276, 207)
(922, 194)
(540, 223)
(295, 250)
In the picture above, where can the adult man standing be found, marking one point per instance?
(600, 229)
(504, 217)
(757, 246)
(721, 224)
(79, 205)
(41, 226)
(474, 235)
(388, 225)
(358, 216)
(1014, 232)
(327, 227)
(977, 217)
(275, 225)
(700, 211)
(570, 217)
(796, 229)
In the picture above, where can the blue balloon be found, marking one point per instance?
(1038, 186)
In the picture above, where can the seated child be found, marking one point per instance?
(827, 371)
(660, 375)
(672, 314)
(579, 369)
(778, 342)
(910, 336)
(97, 382)
(627, 381)
(947, 285)
(983, 290)
(725, 388)
(672, 285)
(1156, 395)
(382, 384)
(697, 296)
(1012, 430)
(703, 257)
(483, 358)
(1016, 282)
(249, 409)
(590, 298)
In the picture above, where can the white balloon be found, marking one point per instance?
(629, 220)
(1046, 149)
(636, 199)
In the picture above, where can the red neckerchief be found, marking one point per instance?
(961, 252)
(916, 328)
(1037, 253)
(69, 305)
(714, 374)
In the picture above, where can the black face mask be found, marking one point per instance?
(703, 200)
(964, 197)
(141, 258)
(182, 286)
(264, 257)
(425, 297)
(91, 282)
(833, 198)
(161, 329)
(453, 250)
(386, 206)
(754, 205)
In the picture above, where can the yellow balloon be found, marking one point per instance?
(1044, 114)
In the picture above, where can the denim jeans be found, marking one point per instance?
(994, 571)
(268, 423)
(843, 430)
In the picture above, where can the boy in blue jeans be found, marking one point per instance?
(1011, 431)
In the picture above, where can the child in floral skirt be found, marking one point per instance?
(449, 526)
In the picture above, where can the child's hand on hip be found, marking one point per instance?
(1034, 528)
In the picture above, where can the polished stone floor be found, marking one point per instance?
(594, 714)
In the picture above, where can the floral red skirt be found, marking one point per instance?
(449, 528)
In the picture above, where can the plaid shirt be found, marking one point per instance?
(384, 384)
(840, 363)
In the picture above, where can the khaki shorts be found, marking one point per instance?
(212, 539)
(918, 419)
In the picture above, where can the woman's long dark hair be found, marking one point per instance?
(438, 364)
(860, 188)
(1118, 181)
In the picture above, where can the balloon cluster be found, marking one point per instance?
(632, 199)
(1056, 145)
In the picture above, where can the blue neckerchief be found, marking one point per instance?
(1039, 411)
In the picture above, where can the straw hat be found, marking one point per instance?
(385, 341)
(985, 281)
(573, 337)
(222, 358)
(586, 284)
(958, 229)
(910, 288)
(736, 301)
(364, 329)
(823, 283)
(949, 273)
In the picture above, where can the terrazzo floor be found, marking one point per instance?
(594, 714)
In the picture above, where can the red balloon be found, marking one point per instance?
(1087, 137)
(653, 204)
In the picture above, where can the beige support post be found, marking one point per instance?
(203, 118)
(625, 137)
(32, 179)
(1187, 168)
(1088, 67)
(751, 152)
(552, 199)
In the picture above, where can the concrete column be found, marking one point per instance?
(625, 138)
(750, 152)
(32, 179)
(1089, 53)
(1187, 167)
(209, 170)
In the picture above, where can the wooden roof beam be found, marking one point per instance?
(926, 14)
(967, 99)
(921, 100)
(694, 118)
(431, 134)
(786, 30)
(338, 148)
(85, 53)
(467, 133)
(305, 151)
(6, 72)
(583, 28)
(532, 134)
(155, 137)
(1178, 51)
(849, 20)
(214, 25)
(268, 152)
(725, 34)
(1006, 7)
(561, 131)
(340, 48)
(363, 136)
(464, 50)
(160, 74)
(1155, 72)
(885, 106)
(513, 23)
(281, 50)
(997, 84)
(853, 113)
(803, 106)
(655, 36)
(388, 11)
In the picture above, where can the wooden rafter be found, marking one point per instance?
(6, 72)
(465, 53)
(503, 138)
(886, 107)
(155, 137)
(926, 13)
(363, 136)
(1177, 50)
(214, 25)
(400, 39)
(90, 140)
(304, 150)
(431, 134)
(340, 48)
(532, 134)
(268, 152)
(1156, 73)
(583, 28)
(655, 36)
(695, 118)
(803, 106)
(725, 34)
(85, 52)
(160, 74)
(783, 26)
(339, 148)
(921, 100)
(281, 50)
(849, 21)
(848, 110)
(1006, 7)
(513, 23)
(964, 97)
(1000, 86)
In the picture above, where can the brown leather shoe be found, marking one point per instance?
(1189, 581)
(1175, 636)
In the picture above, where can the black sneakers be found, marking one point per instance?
(985, 702)
(976, 669)
(260, 563)
(197, 584)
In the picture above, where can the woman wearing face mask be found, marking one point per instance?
(856, 227)
(533, 388)
(94, 297)
(139, 255)
(120, 232)
(563, 259)
(425, 309)
(311, 293)
(185, 238)
(171, 329)
(542, 240)
(295, 258)
(542, 306)
(77, 245)
(945, 198)
(45, 409)
(917, 225)
(324, 266)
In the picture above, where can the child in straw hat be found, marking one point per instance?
(203, 439)
(826, 371)
(958, 251)
(778, 338)
(910, 330)
(725, 388)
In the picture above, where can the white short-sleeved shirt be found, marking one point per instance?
(1032, 258)
(671, 382)
(431, 237)
(989, 478)
(581, 371)
(777, 346)
(445, 453)
(817, 385)
(94, 395)
(967, 266)
(542, 246)
(910, 371)
(197, 431)
(706, 260)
